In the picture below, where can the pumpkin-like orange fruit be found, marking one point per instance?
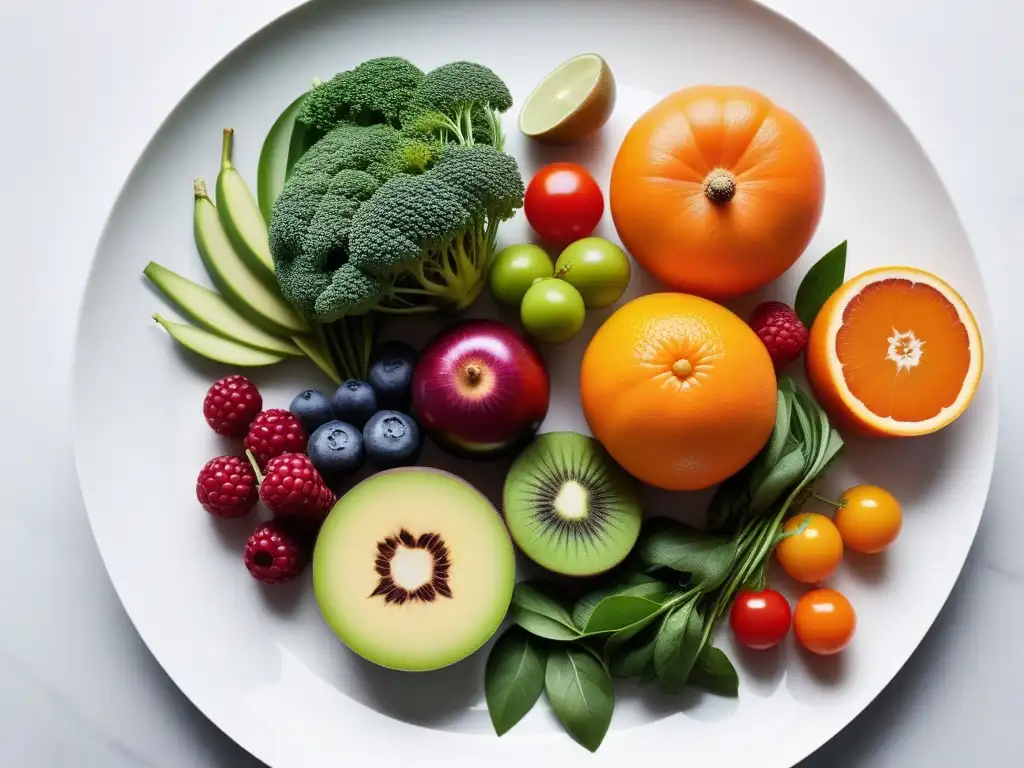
(716, 190)
(679, 390)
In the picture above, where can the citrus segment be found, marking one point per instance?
(895, 351)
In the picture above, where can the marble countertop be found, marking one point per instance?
(85, 86)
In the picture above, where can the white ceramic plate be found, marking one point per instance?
(260, 662)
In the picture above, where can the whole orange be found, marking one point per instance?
(716, 190)
(679, 389)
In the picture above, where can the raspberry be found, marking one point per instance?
(231, 404)
(293, 488)
(226, 487)
(781, 331)
(276, 552)
(273, 432)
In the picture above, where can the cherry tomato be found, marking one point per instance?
(869, 520)
(814, 554)
(824, 621)
(563, 203)
(760, 620)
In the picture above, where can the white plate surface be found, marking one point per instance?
(260, 663)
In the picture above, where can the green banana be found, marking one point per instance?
(241, 216)
(208, 310)
(247, 293)
(214, 347)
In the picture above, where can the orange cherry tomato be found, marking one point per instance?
(824, 621)
(869, 520)
(813, 554)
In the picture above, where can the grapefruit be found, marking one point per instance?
(895, 352)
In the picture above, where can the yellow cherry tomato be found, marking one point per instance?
(869, 519)
(813, 554)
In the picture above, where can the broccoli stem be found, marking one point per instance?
(467, 117)
(350, 342)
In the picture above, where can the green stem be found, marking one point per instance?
(831, 502)
(369, 325)
(225, 148)
(255, 467)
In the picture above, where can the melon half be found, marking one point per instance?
(413, 569)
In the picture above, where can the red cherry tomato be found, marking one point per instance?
(563, 203)
(760, 620)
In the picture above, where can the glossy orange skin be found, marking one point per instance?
(869, 520)
(824, 621)
(679, 390)
(664, 216)
(814, 554)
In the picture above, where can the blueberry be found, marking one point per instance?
(354, 402)
(392, 439)
(391, 367)
(312, 409)
(336, 449)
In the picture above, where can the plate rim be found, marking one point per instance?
(789, 753)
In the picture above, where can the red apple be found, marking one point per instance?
(480, 389)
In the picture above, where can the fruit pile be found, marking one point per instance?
(716, 191)
(295, 459)
(563, 204)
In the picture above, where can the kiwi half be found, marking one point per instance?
(569, 507)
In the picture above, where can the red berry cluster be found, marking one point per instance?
(274, 470)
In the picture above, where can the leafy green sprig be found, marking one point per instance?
(654, 620)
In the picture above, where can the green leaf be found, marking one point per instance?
(780, 432)
(677, 646)
(715, 673)
(820, 282)
(832, 449)
(630, 651)
(667, 543)
(636, 584)
(513, 678)
(785, 473)
(619, 612)
(536, 609)
(580, 691)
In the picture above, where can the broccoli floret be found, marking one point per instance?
(376, 91)
(429, 238)
(309, 227)
(462, 102)
(349, 291)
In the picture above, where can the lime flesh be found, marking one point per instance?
(573, 100)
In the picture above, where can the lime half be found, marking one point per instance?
(571, 103)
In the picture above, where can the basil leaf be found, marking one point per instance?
(803, 430)
(677, 646)
(580, 691)
(820, 282)
(832, 449)
(513, 678)
(619, 612)
(667, 543)
(786, 472)
(636, 584)
(539, 612)
(715, 673)
(780, 433)
(630, 651)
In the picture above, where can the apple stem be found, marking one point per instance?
(473, 374)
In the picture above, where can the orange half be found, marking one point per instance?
(895, 351)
